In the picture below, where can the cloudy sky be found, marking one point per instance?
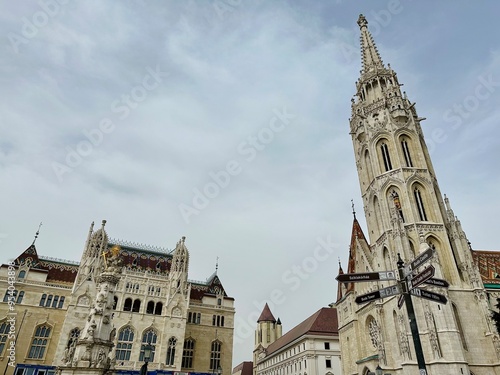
(226, 121)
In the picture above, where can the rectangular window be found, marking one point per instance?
(327, 346)
(328, 363)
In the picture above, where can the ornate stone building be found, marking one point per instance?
(100, 313)
(312, 347)
(406, 214)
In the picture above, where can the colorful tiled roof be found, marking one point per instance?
(488, 263)
(323, 322)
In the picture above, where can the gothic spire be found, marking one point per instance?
(369, 54)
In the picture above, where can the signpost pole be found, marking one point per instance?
(411, 316)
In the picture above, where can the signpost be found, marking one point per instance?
(418, 261)
(407, 285)
(437, 282)
(381, 293)
(421, 277)
(436, 297)
(367, 276)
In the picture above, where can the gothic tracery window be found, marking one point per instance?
(386, 157)
(124, 345)
(215, 355)
(406, 152)
(39, 343)
(420, 204)
(171, 351)
(188, 353)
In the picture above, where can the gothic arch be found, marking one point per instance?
(368, 165)
(386, 155)
(407, 149)
(387, 258)
(421, 202)
(394, 199)
(378, 219)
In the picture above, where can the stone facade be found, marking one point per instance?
(406, 214)
(118, 298)
(312, 347)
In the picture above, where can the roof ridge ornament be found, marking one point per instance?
(36, 234)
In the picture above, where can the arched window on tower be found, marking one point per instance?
(420, 204)
(368, 167)
(171, 351)
(385, 156)
(115, 302)
(406, 152)
(215, 355)
(397, 204)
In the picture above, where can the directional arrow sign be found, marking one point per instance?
(367, 276)
(429, 295)
(438, 282)
(401, 300)
(381, 293)
(421, 277)
(418, 261)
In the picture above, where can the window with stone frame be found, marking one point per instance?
(215, 353)
(188, 354)
(172, 342)
(124, 344)
(4, 332)
(149, 337)
(39, 342)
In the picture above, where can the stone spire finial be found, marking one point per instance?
(369, 53)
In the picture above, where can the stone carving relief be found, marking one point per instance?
(433, 336)
(376, 339)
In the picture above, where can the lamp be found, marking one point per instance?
(378, 370)
(148, 348)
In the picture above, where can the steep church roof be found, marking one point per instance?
(323, 322)
(357, 236)
(58, 270)
(488, 263)
(266, 315)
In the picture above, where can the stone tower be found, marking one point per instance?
(406, 214)
(268, 331)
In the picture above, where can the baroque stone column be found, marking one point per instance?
(93, 352)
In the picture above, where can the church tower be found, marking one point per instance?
(406, 214)
(268, 331)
